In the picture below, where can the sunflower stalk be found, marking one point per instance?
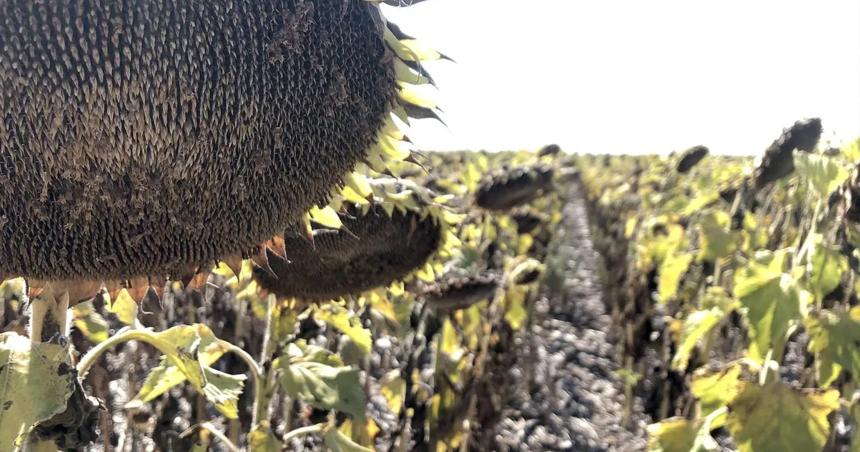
(48, 317)
(48, 323)
(263, 387)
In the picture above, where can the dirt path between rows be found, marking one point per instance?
(566, 395)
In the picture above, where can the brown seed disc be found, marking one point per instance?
(143, 137)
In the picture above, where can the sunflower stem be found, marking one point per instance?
(220, 435)
(293, 434)
(125, 335)
(48, 322)
(48, 317)
(262, 394)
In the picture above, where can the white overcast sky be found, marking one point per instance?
(634, 76)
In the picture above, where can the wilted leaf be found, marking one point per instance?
(671, 435)
(393, 388)
(347, 323)
(826, 267)
(261, 439)
(772, 300)
(678, 434)
(697, 326)
(515, 307)
(90, 323)
(300, 351)
(37, 381)
(716, 389)
(704, 442)
(833, 338)
(663, 245)
(851, 151)
(323, 386)
(778, 418)
(715, 238)
(223, 390)
(195, 349)
(361, 432)
(670, 273)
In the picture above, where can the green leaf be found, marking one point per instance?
(772, 300)
(338, 442)
(37, 381)
(833, 338)
(825, 174)
(678, 434)
(323, 386)
(697, 326)
(851, 151)
(261, 439)
(700, 202)
(393, 388)
(715, 238)
(515, 307)
(670, 273)
(855, 416)
(223, 390)
(663, 245)
(704, 442)
(195, 348)
(672, 435)
(715, 389)
(347, 323)
(825, 267)
(778, 418)
(300, 351)
(716, 297)
(90, 323)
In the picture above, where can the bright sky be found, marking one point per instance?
(633, 76)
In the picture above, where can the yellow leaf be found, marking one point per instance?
(394, 390)
(347, 323)
(33, 388)
(778, 418)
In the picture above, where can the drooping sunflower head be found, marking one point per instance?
(778, 161)
(690, 158)
(370, 250)
(505, 189)
(373, 244)
(152, 139)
